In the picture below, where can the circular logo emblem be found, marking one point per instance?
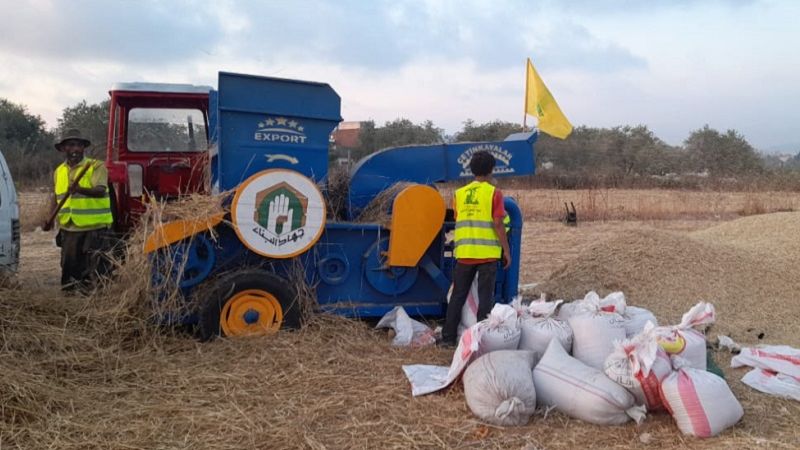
(278, 213)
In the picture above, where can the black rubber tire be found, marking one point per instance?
(214, 295)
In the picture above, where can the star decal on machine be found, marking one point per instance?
(280, 129)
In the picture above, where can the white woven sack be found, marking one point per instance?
(613, 302)
(500, 330)
(776, 358)
(568, 310)
(408, 332)
(701, 403)
(581, 391)
(499, 387)
(773, 383)
(777, 369)
(594, 333)
(636, 318)
(639, 365)
(538, 328)
(686, 342)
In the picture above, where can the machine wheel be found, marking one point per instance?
(247, 303)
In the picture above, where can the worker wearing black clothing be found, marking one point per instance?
(480, 242)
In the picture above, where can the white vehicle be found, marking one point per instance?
(9, 220)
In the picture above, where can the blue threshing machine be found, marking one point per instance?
(269, 141)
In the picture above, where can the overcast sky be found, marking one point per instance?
(673, 65)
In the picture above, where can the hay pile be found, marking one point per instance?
(124, 304)
(747, 268)
(334, 384)
(337, 188)
(73, 375)
(377, 210)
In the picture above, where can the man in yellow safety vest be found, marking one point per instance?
(85, 219)
(480, 242)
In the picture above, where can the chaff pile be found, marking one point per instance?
(743, 267)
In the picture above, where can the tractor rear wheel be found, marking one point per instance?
(247, 303)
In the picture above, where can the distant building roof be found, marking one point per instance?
(349, 125)
(346, 134)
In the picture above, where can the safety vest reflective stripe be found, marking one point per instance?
(74, 196)
(475, 224)
(475, 236)
(81, 210)
(477, 242)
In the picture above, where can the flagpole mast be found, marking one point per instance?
(525, 111)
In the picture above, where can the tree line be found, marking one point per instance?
(27, 143)
(623, 156)
(590, 157)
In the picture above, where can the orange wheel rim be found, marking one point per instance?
(252, 312)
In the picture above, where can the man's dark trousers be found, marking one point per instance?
(83, 258)
(462, 282)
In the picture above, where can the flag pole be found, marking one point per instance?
(525, 111)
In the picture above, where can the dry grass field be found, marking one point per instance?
(81, 373)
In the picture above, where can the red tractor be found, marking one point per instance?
(158, 138)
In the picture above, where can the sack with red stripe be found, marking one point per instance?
(639, 365)
(684, 340)
(776, 358)
(777, 369)
(701, 403)
(582, 392)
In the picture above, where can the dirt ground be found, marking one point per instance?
(335, 384)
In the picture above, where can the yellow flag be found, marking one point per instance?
(539, 102)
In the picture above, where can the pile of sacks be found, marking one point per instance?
(597, 360)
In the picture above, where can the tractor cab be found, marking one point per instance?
(158, 138)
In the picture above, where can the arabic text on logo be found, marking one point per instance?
(280, 214)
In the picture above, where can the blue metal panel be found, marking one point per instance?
(363, 288)
(433, 164)
(339, 263)
(266, 123)
(510, 284)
